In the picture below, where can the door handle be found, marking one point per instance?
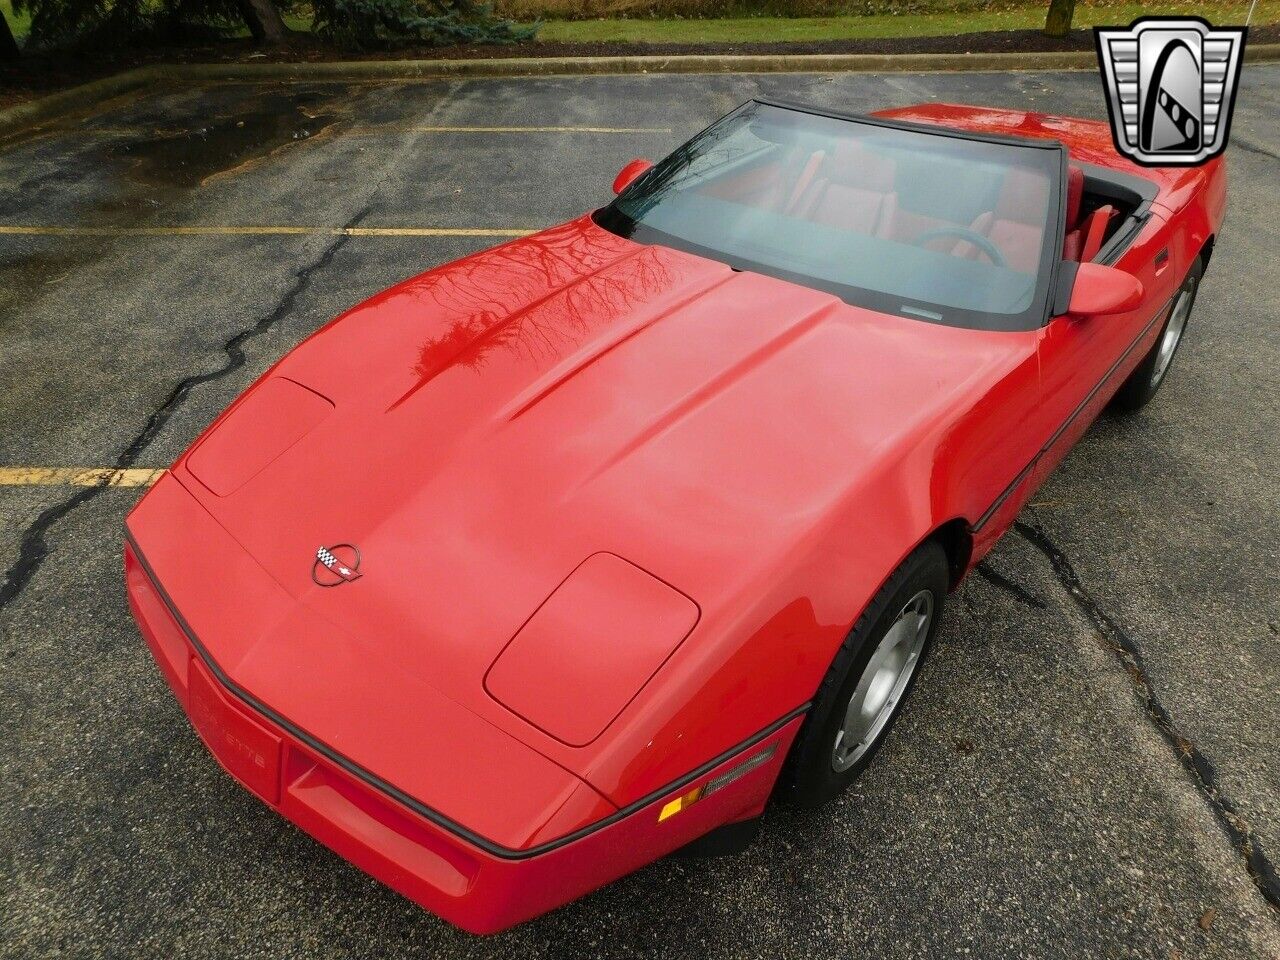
(1162, 261)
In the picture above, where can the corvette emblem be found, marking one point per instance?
(1171, 84)
(337, 564)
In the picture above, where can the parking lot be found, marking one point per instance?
(1090, 766)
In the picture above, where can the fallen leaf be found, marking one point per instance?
(1207, 918)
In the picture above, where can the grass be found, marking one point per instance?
(766, 29)
(20, 23)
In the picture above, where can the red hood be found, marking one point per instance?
(500, 419)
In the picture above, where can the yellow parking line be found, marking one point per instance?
(371, 130)
(120, 131)
(215, 231)
(394, 128)
(436, 231)
(77, 477)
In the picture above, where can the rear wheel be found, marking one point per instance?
(1143, 383)
(867, 683)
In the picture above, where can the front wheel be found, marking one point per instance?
(868, 681)
(1137, 391)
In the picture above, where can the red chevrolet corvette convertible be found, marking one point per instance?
(575, 552)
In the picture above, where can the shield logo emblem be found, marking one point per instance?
(1171, 84)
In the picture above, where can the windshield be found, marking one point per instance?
(936, 226)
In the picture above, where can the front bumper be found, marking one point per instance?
(480, 888)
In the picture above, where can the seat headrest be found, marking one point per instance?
(1023, 197)
(853, 164)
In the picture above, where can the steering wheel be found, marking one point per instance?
(964, 233)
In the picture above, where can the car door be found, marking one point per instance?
(1084, 359)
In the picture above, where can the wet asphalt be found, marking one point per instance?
(1090, 766)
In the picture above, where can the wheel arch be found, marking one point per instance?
(1206, 251)
(956, 539)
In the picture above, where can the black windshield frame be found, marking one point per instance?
(615, 219)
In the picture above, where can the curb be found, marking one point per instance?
(86, 95)
(685, 63)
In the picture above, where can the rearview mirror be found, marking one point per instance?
(1100, 290)
(631, 173)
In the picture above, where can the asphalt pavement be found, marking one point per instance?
(1090, 766)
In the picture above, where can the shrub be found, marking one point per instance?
(361, 24)
(365, 24)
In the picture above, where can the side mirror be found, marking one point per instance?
(631, 173)
(1100, 290)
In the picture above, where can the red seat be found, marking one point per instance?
(1016, 226)
(1073, 241)
(853, 190)
(1075, 195)
(1095, 231)
(1072, 245)
(769, 186)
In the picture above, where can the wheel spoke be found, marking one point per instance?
(1173, 331)
(884, 679)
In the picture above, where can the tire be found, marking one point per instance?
(825, 760)
(1137, 391)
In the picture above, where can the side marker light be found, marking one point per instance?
(690, 797)
(672, 807)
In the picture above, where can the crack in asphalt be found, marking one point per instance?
(1261, 870)
(1016, 590)
(1254, 148)
(33, 548)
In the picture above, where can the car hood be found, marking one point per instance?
(479, 431)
